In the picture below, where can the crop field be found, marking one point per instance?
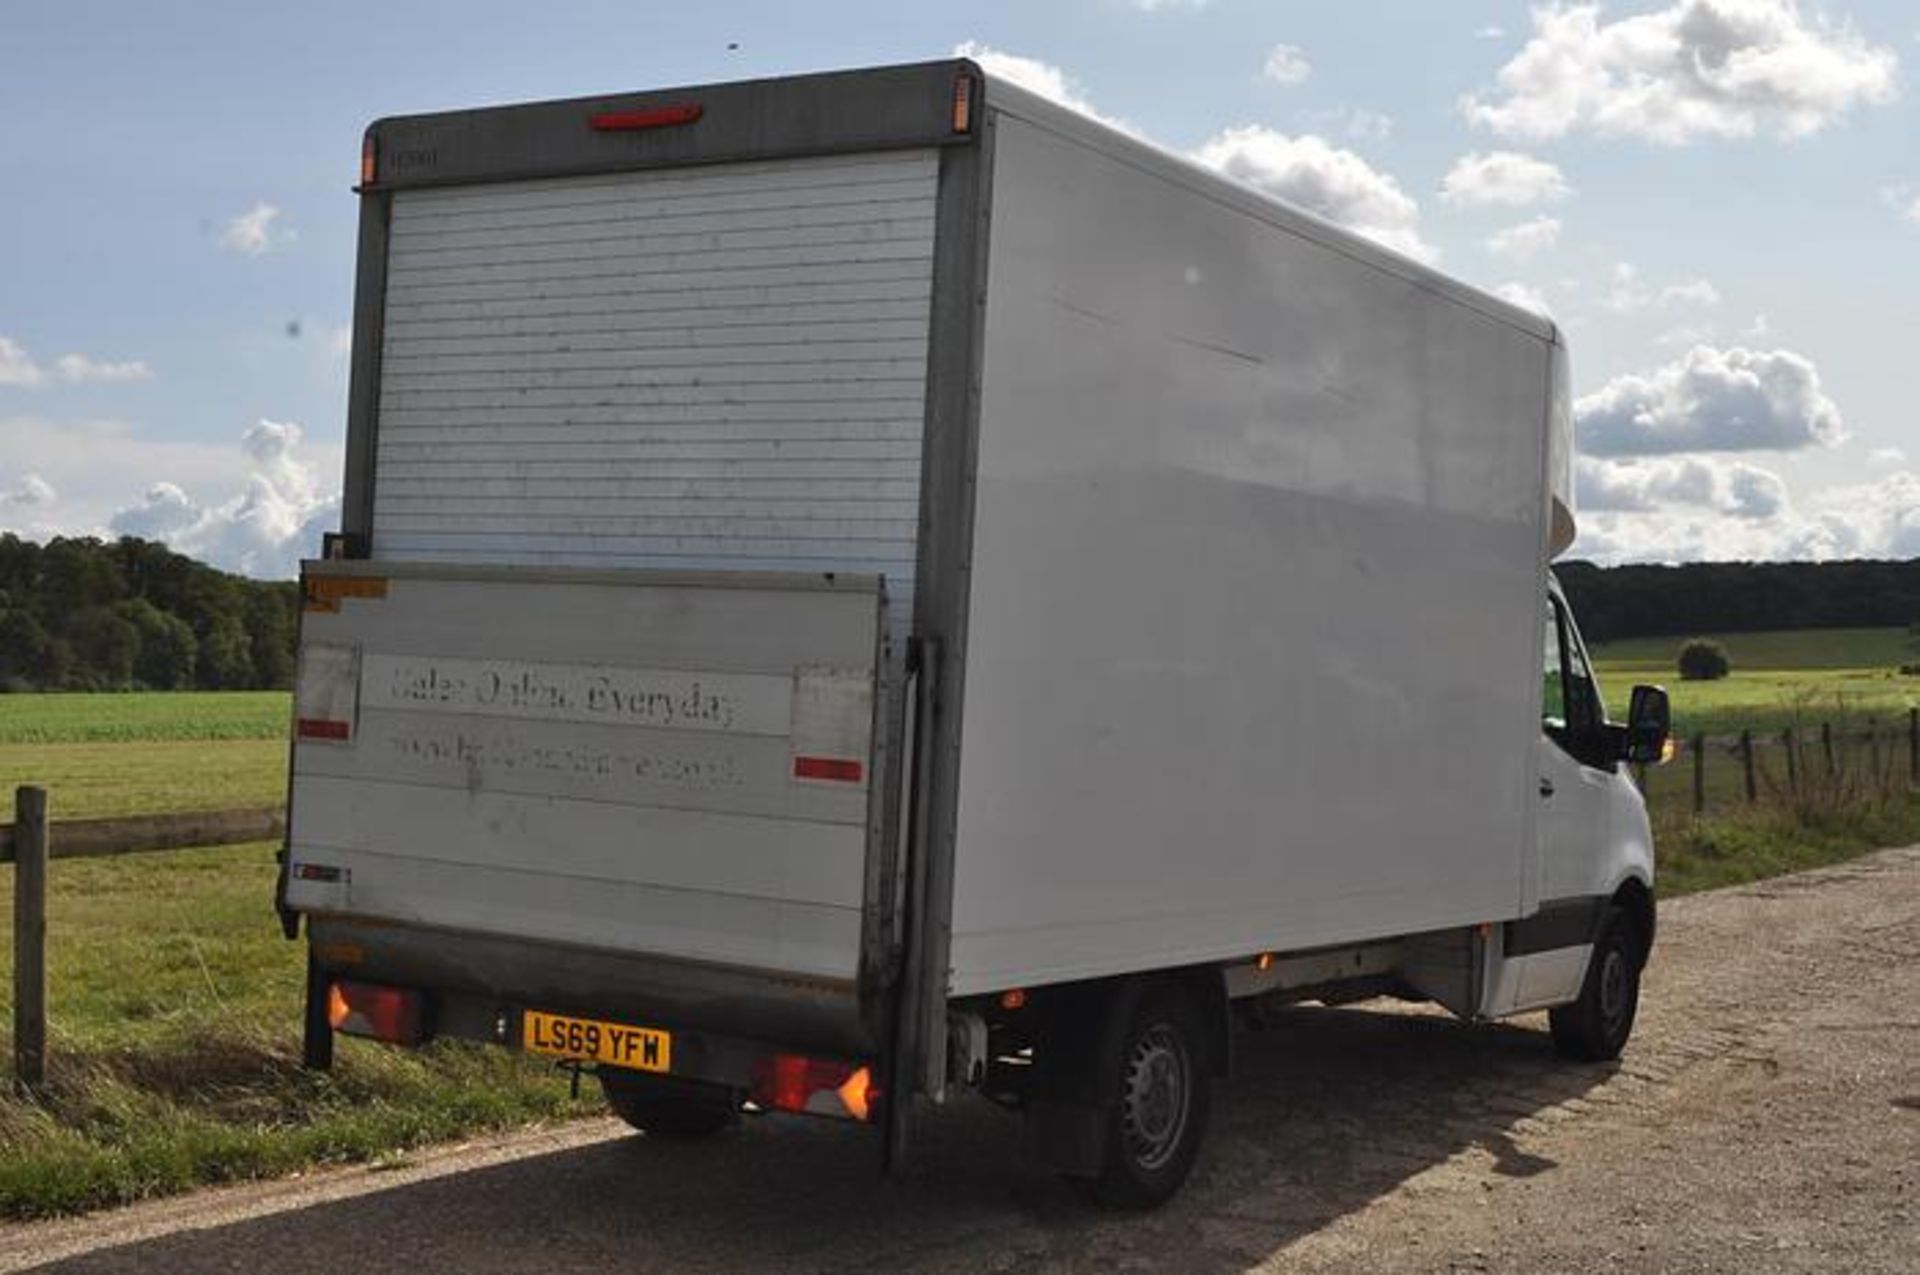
(145, 753)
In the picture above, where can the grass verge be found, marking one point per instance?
(1769, 841)
(174, 1047)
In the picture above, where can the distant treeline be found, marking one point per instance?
(1739, 597)
(88, 615)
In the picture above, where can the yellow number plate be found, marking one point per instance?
(586, 1040)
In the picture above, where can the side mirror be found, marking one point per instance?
(1649, 722)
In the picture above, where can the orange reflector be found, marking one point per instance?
(367, 154)
(857, 1093)
(1669, 750)
(323, 593)
(963, 103)
(1264, 961)
(1013, 998)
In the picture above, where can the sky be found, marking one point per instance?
(1717, 200)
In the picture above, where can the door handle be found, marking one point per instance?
(1546, 786)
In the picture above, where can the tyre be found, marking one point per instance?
(1595, 1027)
(667, 1108)
(1164, 1096)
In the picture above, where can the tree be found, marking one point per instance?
(24, 648)
(105, 649)
(167, 646)
(226, 657)
(1703, 661)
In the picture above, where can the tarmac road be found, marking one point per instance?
(1766, 1118)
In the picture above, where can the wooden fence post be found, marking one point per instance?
(1793, 761)
(1746, 764)
(1826, 746)
(1913, 747)
(1699, 773)
(29, 938)
(1876, 776)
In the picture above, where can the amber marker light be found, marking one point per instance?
(1264, 961)
(338, 1010)
(1669, 749)
(367, 154)
(963, 103)
(857, 1094)
(1014, 998)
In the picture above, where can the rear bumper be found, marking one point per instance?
(480, 986)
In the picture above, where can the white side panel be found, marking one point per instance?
(712, 367)
(622, 761)
(1252, 653)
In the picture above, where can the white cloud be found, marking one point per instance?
(1746, 515)
(1491, 32)
(1368, 126)
(1695, 69)
(1528, 239)
(1685, 337)
(1161, 6)
(1507, 178)
(1711, 400)
(264, 530)
(30, 491)
(1690, 292)
(1759, 327)
(1035, 76)
(18, 368)
(1524, 296)
(1735, 488)
(1887, 456)
(1288, 65)
(1628, 292)
(79, 368)
(252, 232)
(1905, 202)
(1336, 184)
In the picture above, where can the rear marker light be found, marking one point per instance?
(839, 769)
(319, 728)
(814, 1086)
(367, 154)
(653, 117)
(391, 1014)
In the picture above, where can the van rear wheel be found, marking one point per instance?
(1164, 1096)
(666, 1107)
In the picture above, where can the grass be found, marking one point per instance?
(143, 715)
(98, 781)
(1814, 674)
(174, 1047)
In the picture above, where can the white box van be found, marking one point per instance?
(866, 586)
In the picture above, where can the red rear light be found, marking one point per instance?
(391, 1014)
(368, 158)
(653, 117)
(816, 1086)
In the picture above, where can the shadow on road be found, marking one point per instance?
(1327, 1110)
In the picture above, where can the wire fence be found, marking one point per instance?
(1806, 763)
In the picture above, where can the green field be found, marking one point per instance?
(1802, 676)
